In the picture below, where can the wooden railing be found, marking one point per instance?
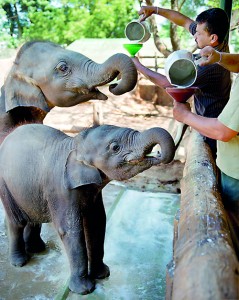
(204, 264)
(157, 61)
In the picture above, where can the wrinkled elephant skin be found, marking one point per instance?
(62, 183)
(45, 75)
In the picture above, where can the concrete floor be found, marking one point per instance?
(138, 247)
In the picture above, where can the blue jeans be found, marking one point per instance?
(230, 190)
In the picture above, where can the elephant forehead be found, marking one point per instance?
(45, 53)
(107, 133)
(32, 50)
(54, 50)
(42, 48)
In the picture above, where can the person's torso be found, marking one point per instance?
(214, 84)
(228, 152)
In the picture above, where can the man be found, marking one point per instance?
(225, 128)
(214, 83)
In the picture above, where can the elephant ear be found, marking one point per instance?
(78, 173)
(21, 90)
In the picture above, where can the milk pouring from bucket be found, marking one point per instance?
(180, 68)
(181, 71)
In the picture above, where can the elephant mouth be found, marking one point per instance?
(89, 93)
(97, 94)
(152, 156)
(92, 92)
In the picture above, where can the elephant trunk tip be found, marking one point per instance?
(123, 86)
(124, 69)
(163, 147)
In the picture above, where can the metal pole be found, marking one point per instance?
(227, 6)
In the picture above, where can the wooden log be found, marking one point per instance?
(97, 113)
(170, 265)
(204, 265)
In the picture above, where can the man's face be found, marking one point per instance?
(202, 37)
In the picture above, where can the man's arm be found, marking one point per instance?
(172, 15)
(210, 127)
(227, 60)
(154, 77)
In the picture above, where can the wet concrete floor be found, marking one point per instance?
(138, 247)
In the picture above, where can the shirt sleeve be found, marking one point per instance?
(192, 28)
(230, 113)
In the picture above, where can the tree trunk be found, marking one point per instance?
(173, 28)
(158, 43)
(13, 19)
(175, 41)
(9, 13)
(19, 26)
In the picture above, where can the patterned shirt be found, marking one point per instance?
(214, 85)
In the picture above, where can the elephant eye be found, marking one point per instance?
(63, 68)
(114, 147)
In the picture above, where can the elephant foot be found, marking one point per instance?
(32, 238)
(83, 285)
(19, 260)
(35, 246)
(100, 272)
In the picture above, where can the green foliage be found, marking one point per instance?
(64, 21)
(216, 3)
(108, 19)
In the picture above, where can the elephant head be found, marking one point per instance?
(119, 153)
(45, 75)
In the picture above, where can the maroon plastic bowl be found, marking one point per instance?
(181, 94)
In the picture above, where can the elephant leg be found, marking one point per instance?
(71, 232)
(18, 255)
(32, 238)
(15, 223)
(94, 226)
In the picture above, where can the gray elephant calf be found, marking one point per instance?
(47, 176)
(45, 75)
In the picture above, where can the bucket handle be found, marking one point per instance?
(198, 59)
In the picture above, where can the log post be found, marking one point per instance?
(97, 113)
(204, 264)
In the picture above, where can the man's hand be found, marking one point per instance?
(180, 111)
(212, 56)
(146, 11)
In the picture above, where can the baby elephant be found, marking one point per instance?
(48, 176)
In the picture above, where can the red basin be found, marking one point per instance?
(181, 94)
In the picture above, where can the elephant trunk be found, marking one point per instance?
(118, 65)
(161, 137)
